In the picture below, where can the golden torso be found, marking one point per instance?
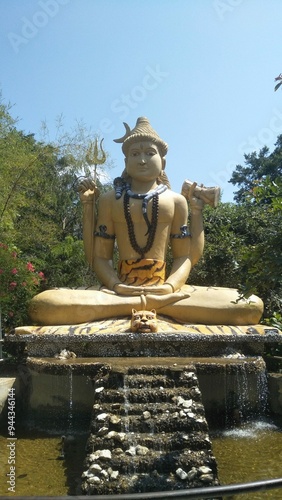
(114, 211)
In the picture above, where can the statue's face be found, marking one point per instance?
(144, 161)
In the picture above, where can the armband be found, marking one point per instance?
(103, 233)
(183, 234)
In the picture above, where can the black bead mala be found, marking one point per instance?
(152, 226)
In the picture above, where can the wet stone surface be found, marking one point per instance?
(148, 433)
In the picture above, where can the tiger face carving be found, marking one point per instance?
(144, 321)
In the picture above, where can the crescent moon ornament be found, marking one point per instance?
(127, 133)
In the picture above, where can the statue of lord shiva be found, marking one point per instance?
(143, 216)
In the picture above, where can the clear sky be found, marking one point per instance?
(202, 71)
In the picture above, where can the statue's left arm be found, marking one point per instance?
(180, 246)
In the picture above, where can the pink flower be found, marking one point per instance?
(13, 285)
(41, 275)
(24, 283)
(30, 267)
(14, 271)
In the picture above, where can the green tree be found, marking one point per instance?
(258, 167)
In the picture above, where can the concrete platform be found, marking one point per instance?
(113, 338)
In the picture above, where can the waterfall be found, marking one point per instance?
(70, 429)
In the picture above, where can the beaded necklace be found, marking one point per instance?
(151, 225)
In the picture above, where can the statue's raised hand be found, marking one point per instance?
(88, 190)
(207, 195)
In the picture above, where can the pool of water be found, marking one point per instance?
(40, 467)
(252, 452)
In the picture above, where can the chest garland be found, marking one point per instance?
(151, 224)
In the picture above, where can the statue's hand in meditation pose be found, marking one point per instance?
(143, 216)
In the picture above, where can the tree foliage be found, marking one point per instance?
(41, 216)
(40, 212)
(244, 240)
(258, 168)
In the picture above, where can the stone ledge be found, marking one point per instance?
(107, 338)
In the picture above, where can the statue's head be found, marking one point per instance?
(144, 132)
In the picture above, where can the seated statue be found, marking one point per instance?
(142, 216)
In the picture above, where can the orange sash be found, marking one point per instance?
(142, 272)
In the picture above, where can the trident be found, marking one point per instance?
(92, 156)
(93, 159)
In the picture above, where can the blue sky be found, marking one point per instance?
(202, 71)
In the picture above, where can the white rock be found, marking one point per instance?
(182, 414)
(131, 451)
(190, 414)
(118, 451)
(111, 435)
(180, 401)
(95, 468)
(192, 473)
(206, 478)
(102, 416)
(204, 469)
(105, 454)
(181, 474)
(187, 403)
(146, 415)
(121, 436)
(104, 474)
(114, 475)
(99, 389)
(87, 473)
(141, 450)
(94, 480)
(114, 419)
(93, 457)
(102, 431)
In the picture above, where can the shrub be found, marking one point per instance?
(19, 282)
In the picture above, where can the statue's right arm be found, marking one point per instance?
(88, 191)
(104, 243)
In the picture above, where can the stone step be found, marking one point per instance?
(162, 461)
(166, 423)
(146, 381)
(123, 472)
(194, 440)
(155, 409)
(147, 395)
(141, 482)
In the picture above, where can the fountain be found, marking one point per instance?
(150, 388)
